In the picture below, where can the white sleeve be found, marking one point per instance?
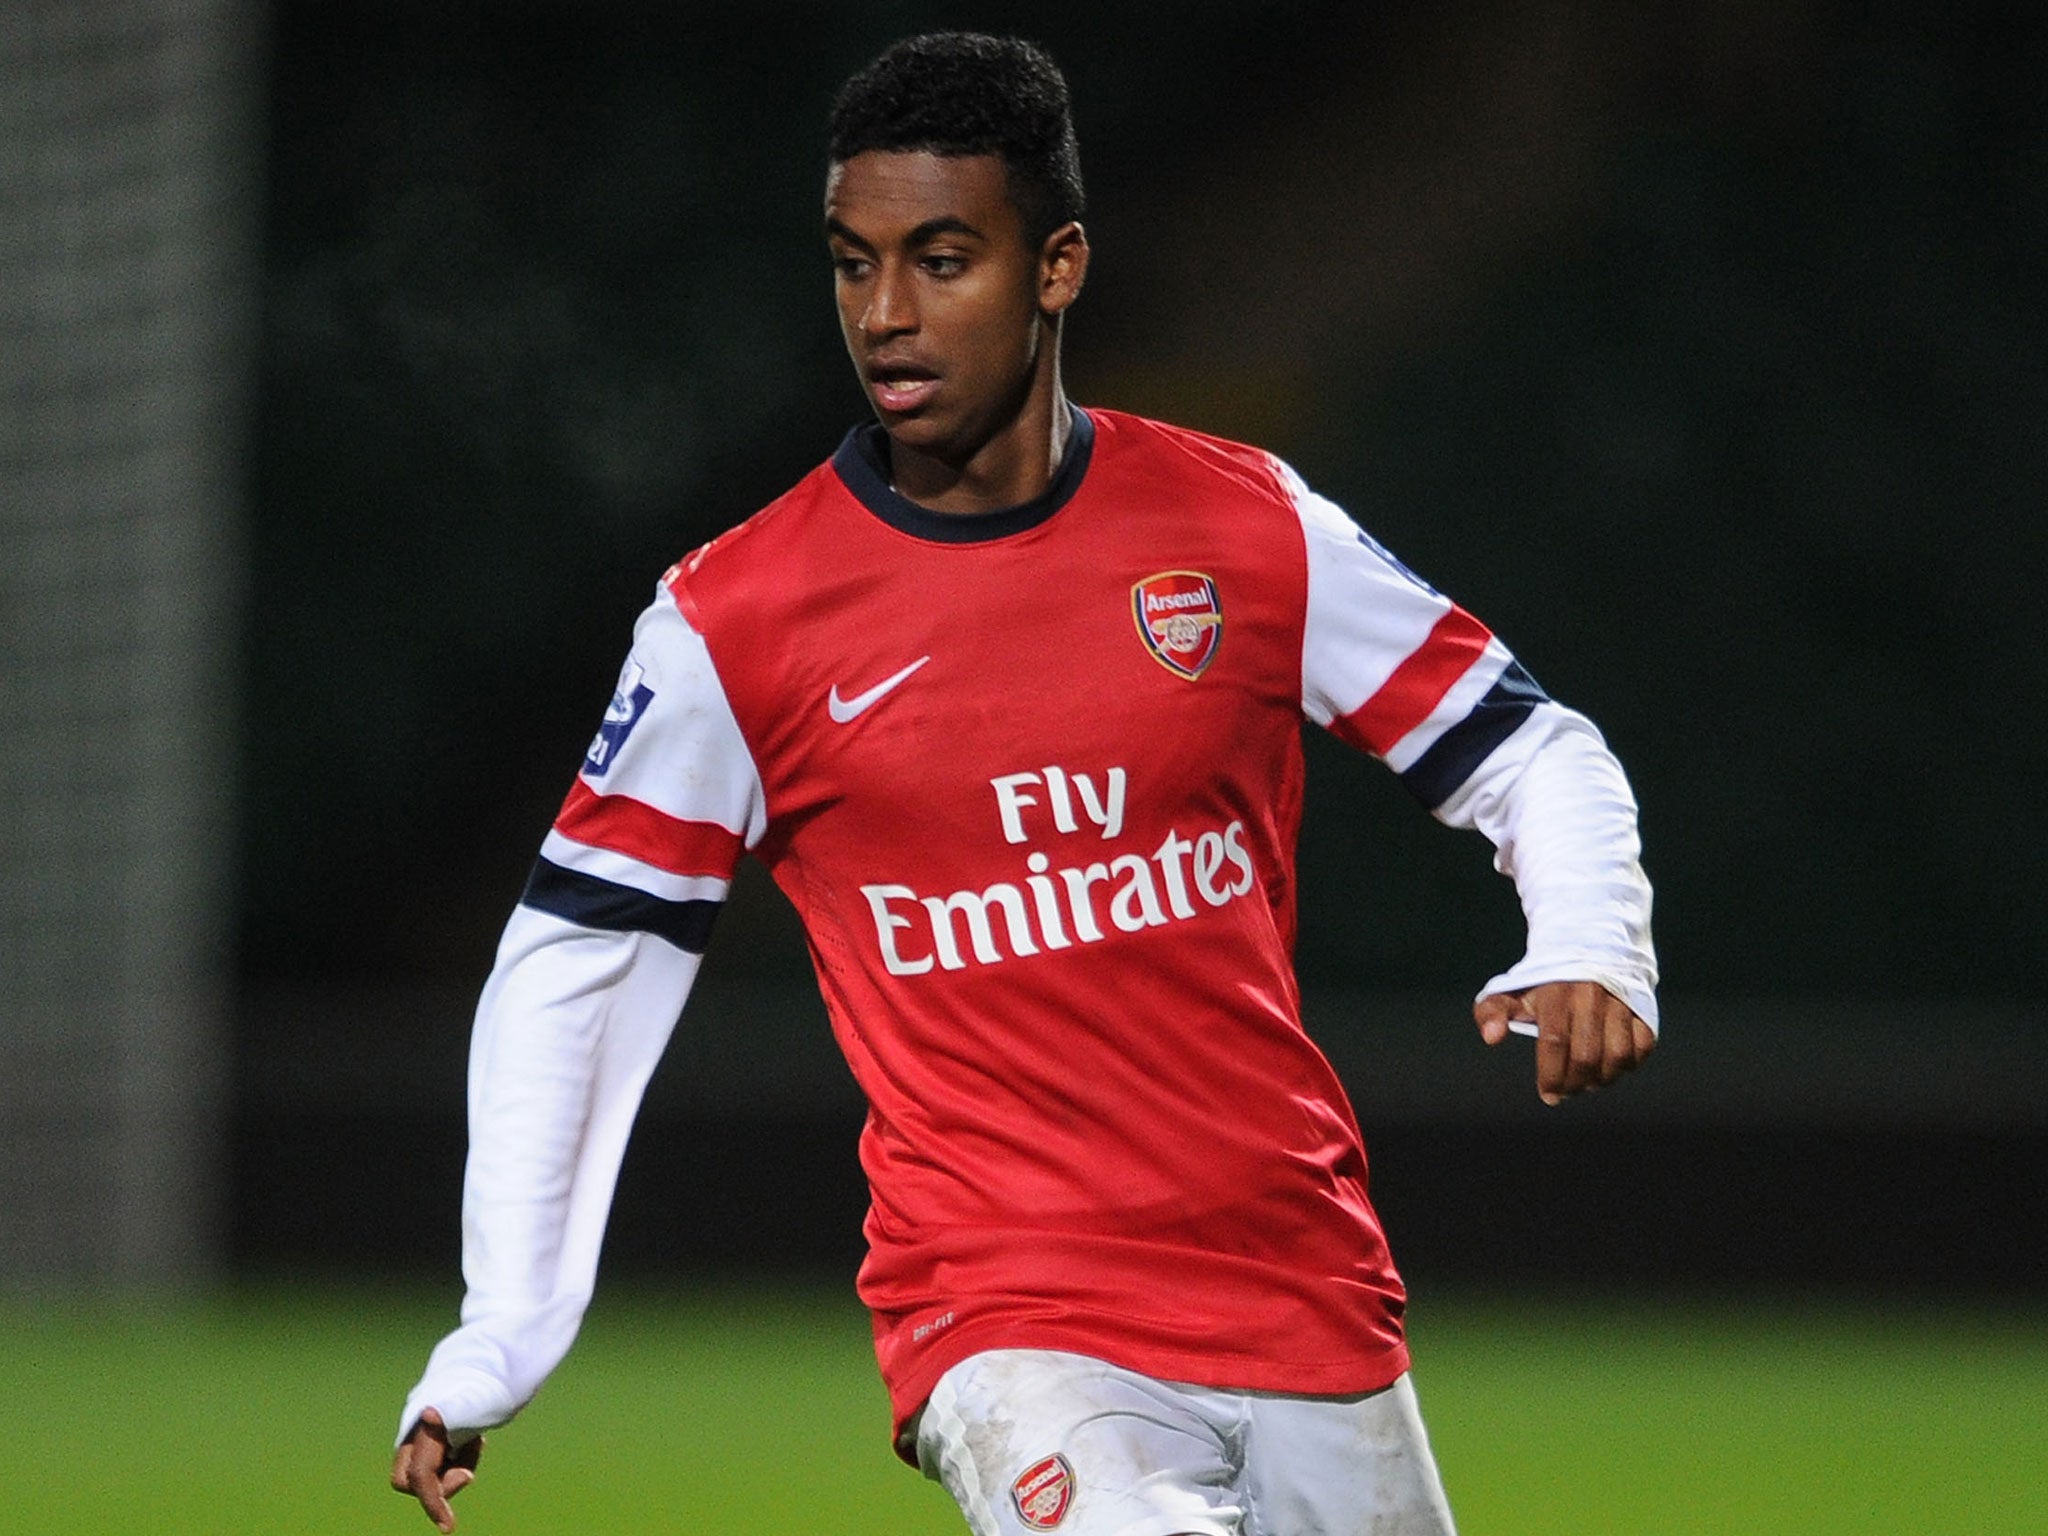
(589, 980)
(1395, 668)
(567, 1033)
(1555, 804)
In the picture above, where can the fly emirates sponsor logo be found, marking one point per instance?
(1083, 901)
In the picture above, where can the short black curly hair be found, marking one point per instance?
(967, 93)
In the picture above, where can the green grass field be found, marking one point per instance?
(758, 1411)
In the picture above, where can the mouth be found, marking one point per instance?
(900, 388)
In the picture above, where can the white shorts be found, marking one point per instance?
(1029, 1441)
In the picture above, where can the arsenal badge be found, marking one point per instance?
(1043, 1492)
(1180, 619)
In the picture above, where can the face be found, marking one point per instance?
(949, 312)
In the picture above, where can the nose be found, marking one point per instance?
(892, 303)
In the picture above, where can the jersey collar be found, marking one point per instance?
(862, 462)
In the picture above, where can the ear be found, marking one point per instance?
(1062, 268)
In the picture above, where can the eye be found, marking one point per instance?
(850, 268)
(942, 265)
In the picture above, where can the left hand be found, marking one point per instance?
(1586, 1037)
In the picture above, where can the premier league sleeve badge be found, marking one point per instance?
(629, 702)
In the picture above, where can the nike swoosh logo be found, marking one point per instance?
(843, 710)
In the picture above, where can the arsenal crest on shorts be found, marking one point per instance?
(1043, 1492)
(1180, 619)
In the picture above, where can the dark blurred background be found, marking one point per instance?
(1699, 348)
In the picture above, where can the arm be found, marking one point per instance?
(570, 1026)
(1556, 806)
(1398, 670)
(590, 977)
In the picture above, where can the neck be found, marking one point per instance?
(1013, 464)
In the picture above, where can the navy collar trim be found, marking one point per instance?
(862, 461)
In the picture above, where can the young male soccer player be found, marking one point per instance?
(1007, 696)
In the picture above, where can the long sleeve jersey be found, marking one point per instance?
(1032, 780)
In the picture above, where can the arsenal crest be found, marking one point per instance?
(1043, 1492)
(1180, 619)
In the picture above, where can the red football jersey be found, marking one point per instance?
(1032, 780)
(1048, 883)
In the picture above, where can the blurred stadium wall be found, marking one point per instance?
(127, 257)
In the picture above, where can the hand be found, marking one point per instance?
(1586, 1037)
(427, 1470)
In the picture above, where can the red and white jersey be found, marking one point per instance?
(1032, 780)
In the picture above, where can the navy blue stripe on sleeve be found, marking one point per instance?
(1436, 775)
(594, 903)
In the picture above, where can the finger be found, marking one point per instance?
(430, 1486)
(1646, 1037)
(417, 1466)
(1492, 1014)
(1622, 1050)
(1617, 1045)
(401, 1469)
(435, 1502)
(1587, 1002)
(427, 1488)
(1553, 1048)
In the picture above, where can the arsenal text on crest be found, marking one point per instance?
(1043, 1492)
(1180, 619)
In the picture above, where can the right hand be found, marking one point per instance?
(426, 1469)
